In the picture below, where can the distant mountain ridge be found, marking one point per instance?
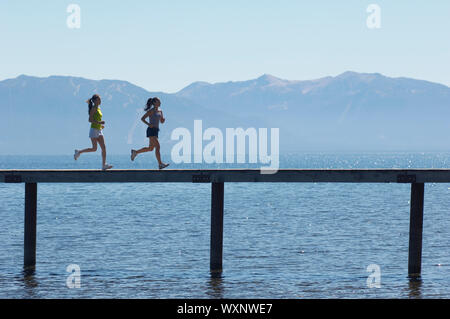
(351, 111)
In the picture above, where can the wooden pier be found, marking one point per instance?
(416, 177)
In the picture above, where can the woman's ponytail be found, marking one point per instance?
(90, 102)
(90, 105)
(149, 104)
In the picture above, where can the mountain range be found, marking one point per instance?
(349, 112)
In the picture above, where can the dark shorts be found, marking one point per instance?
(152, 131)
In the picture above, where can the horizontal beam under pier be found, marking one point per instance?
(228, 175)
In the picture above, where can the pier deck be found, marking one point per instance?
(416, 177)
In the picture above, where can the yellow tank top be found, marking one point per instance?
(97, 117)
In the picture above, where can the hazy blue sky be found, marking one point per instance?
(166, 45)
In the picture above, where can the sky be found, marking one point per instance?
(166, 45)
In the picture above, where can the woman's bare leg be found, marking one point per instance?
(101, 142)
(155, 143)
(92, 149)
(146, 149)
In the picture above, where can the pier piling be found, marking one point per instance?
(30, 225)
(415, 230)
(216, 251)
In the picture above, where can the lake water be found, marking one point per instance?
(311, 240)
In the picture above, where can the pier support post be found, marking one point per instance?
(415, 230)
(217, 198)
(30, 225)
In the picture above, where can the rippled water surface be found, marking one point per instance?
(311, 240)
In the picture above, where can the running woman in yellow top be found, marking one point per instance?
(95, 133)
(155, 116)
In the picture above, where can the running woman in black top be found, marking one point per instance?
(156, 116)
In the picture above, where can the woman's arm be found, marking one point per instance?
(162, 119)
(147, 115)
